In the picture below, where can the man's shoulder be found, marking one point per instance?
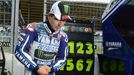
(30, 26)
(35, 26)
(64, 34)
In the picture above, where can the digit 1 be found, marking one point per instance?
(71, 46)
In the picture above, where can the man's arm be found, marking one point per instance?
(25, 40)
(22, 51)
(62, 54)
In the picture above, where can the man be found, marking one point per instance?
(43, 48)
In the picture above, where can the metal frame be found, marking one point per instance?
(2, 61)
(14, 26)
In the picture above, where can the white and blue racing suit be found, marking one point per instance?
(42, 47)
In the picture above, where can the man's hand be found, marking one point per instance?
(43, 70)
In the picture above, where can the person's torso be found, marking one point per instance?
(45, 48)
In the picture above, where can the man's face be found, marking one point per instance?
(55, 24)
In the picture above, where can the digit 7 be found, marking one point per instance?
(90, 63)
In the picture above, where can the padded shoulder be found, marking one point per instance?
(31, 26)
(64, 36)
(36, 26)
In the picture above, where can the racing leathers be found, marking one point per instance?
(42, 47)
